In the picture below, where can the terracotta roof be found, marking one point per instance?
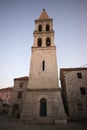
(22, 78)
(43, 15)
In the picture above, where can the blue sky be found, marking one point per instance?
(16, 34)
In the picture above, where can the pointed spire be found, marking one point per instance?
(43, 9)
(43, 15)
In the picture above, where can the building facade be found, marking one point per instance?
(5, 98)
(20, 85)
(43, 102)
(1, 106)
(74, 91)
(6, 94)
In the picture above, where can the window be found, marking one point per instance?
(83, 91)
(47, 27)
(19, 94)
(40, 28)
(79, 75)
(48, 42)
(21, 85)
(43, 107)
(43, 65)
(79, 107)
(39, 42)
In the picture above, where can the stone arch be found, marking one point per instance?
(40, 28)
(47, 27)
(48, 42)
(39, 42)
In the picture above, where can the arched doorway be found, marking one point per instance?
(43, 107)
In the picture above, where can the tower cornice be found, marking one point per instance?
(43, 20)
(44, 32)
(43, 48)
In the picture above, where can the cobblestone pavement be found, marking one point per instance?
(7, 123)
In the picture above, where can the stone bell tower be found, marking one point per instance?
(43, 102)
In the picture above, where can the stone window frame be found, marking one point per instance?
(39, 42)
(43, 103)
(21, 85)
(43, 65)
(40, 28)
(20, 93)
(79, 75)
(48, 41)
(83, 91)
(47, 27)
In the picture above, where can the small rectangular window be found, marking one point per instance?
(43, 65)
(83, 91)
(79, 75)
(21, 85)
(79, 107)
(19, 94)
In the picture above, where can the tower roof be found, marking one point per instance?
(43, 15)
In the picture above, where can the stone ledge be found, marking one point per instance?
(44, 90)
(60, 121)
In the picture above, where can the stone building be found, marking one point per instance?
(43, 102)
(20, 85)
(6, 94)
(74, 91)
(5, 98)
(1, 106)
